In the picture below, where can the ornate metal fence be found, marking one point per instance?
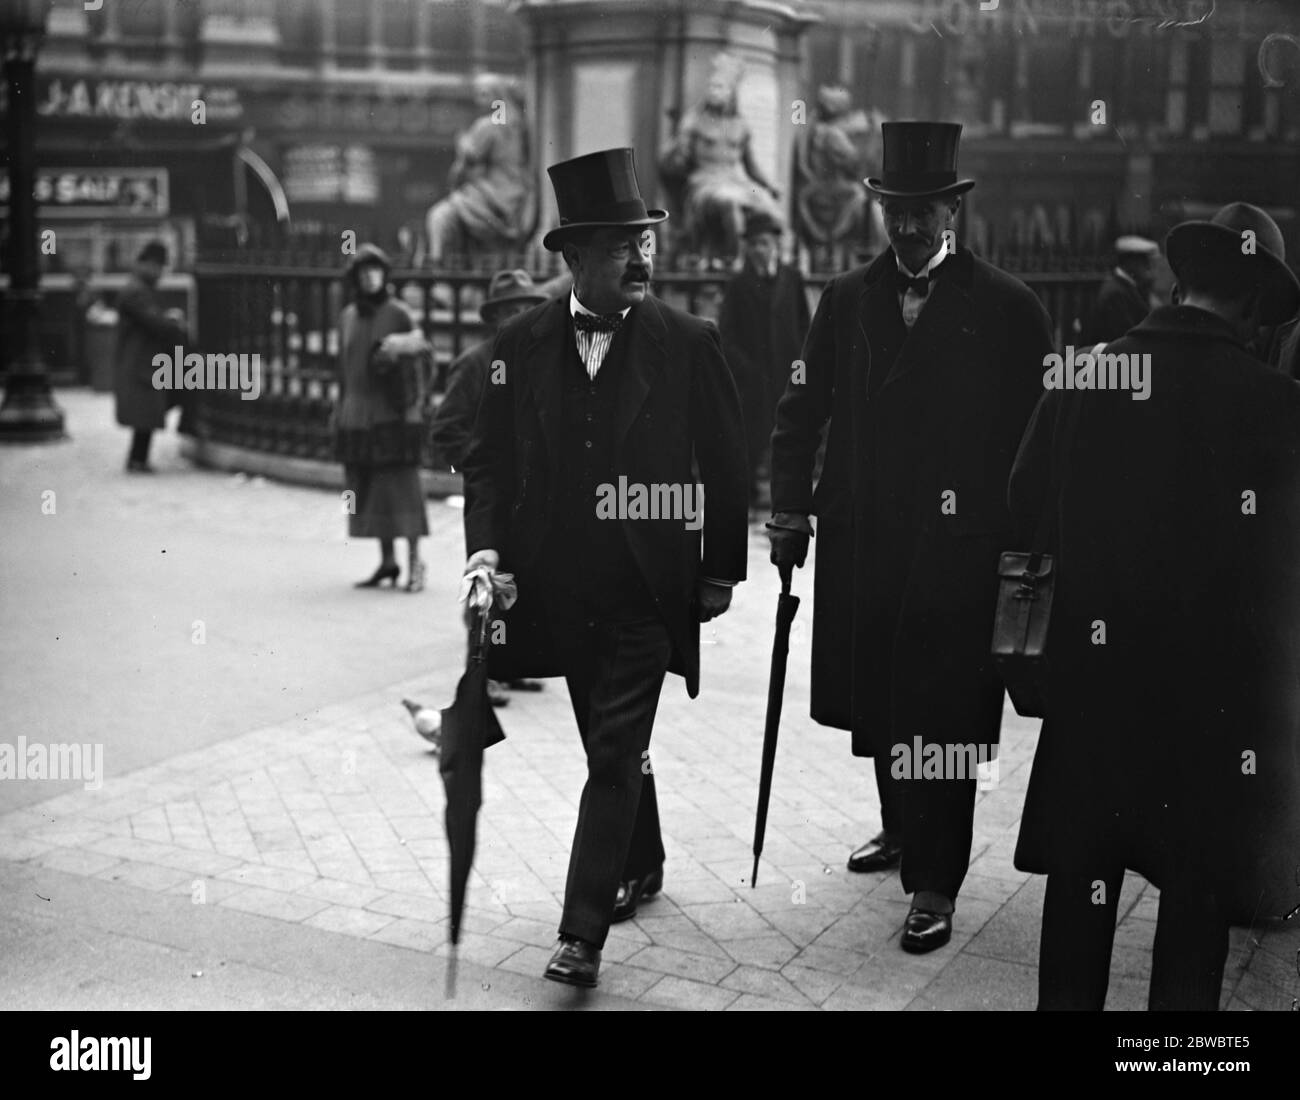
(287, 313)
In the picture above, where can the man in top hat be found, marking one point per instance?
(145, 329)
(1124, 297)
(607, 396)
(763, 321)
(1170, 749)
(926, 363)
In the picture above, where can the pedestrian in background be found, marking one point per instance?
(145, 329)
(763, 322)
(1169, 744)
(926, 364)
(509, 294)
(379, 425)
(1124, 298)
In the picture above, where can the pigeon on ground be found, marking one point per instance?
(427, 722)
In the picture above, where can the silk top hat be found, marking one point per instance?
(153, 252)
(1222, 242)
(920, 161)
(597, 190)
(508, 286)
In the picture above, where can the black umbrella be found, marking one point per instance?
(469, 726)
(786, 606)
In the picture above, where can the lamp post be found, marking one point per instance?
(28, 412)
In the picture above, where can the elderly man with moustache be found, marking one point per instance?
(606, 382)
(927, 364)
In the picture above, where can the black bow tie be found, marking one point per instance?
(920, 284)
(602, 322)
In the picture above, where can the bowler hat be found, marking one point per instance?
(596, 190)
(920, 161)
(508, 286)
(154, 251)
(1223, 242)
(758, 222)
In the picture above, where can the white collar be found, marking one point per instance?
(934, 262)
(576, 307)
(1124, 277)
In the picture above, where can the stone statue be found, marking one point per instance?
(710, 167)
(491, 208)
(832, 157)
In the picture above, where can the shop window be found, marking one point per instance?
(352, 34)
(399, 32)
(1227, 75)
(298, 22)
(1198, 89)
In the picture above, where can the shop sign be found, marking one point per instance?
(98, 192)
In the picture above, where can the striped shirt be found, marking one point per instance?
(592, 346)
(910, 301)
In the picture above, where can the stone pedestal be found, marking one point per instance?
(606, 73)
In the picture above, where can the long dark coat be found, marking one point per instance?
(1198, 588)
(677, 409)
(904, 597)
(763, 323)
(143, 332)
(454, 421)
(1119, 306)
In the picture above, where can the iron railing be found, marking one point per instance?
(287, 313)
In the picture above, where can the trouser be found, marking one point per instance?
(938, 822)
(891, 796)
(1191, 944)
(139, 445)
(614, 672)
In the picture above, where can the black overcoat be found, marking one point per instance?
(1170, 742)
(911, 505)
(454, 421)
(677, 413)
(763, 323)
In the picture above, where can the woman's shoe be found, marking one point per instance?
(383, 573)
(415, 583)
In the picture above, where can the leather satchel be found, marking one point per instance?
(1026, 585)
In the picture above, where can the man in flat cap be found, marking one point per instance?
(1170, 741)
(579, 480)
(926, 363)
(1124, 297)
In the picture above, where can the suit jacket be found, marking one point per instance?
(677, 413)
(911, 506)
(1119, 306)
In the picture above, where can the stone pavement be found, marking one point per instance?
(304, 860)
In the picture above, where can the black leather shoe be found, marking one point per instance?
(924, 931)
(880, 853)
(575, 962)
(631, 892)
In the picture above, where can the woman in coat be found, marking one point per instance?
(144, 330)
(378, 422)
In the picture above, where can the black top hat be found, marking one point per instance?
(598, 189)
(920, 161)
(1221, 241)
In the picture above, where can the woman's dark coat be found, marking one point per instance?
(906, 574)
(1171, 742)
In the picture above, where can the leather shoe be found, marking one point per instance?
(575, 962)
(880, 853)
(924, 930)
(631, 892)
